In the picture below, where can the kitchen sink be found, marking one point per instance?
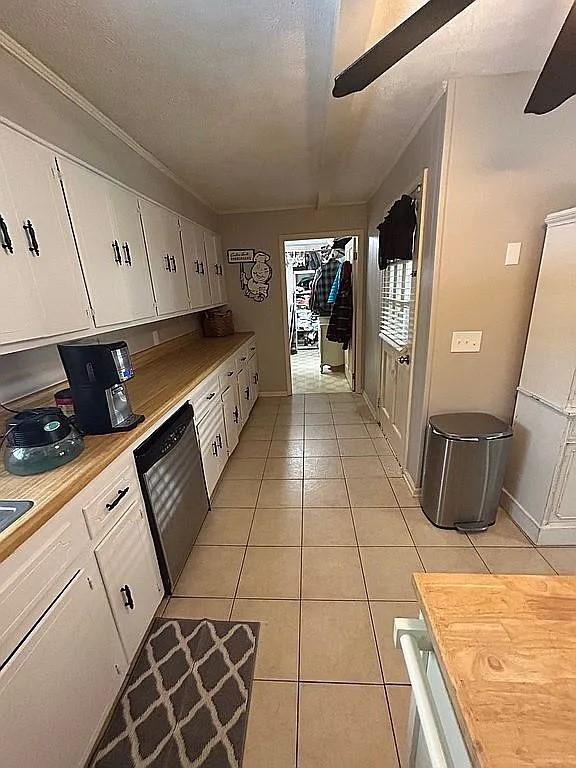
(10, 511)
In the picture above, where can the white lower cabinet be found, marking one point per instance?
(60, 682)
(231, 416)
(212, 438)
(127, 564)
(254, 377)
(244, 394)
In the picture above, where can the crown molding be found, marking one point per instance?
(22, 54)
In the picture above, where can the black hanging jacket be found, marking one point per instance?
(340, 325)
(396, 239)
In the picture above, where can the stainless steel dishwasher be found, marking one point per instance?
(172, 479)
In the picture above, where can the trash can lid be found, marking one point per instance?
(470, 426)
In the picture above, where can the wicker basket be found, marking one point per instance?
(218, 322)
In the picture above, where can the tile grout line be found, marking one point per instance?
(374, 635)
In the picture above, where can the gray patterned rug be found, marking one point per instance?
(185, 704)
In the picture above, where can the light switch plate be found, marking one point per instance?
(466, 341)
(512, 253)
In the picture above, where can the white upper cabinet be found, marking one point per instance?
(109, 236)
(39, 259)
(196, 263)
(162, 234)
(138, 296)
(213, 248)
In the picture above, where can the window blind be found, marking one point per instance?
(396, 303)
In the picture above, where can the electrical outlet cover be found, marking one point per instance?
(466, 341)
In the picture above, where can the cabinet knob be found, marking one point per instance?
(6, 240)
(127, 595)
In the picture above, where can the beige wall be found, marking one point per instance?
(424, 151)
(506, 171)
(262, 231)
(29, 101)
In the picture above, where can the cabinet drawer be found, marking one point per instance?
(33, 576)
(205, 395)
(227, 374)
(110, 503)
(242, 357)
(210, 431)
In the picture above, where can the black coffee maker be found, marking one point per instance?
(96, 373)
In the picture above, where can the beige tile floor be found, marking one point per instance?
(316, 537)
(306, 376)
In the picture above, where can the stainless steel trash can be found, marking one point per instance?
(464, 469)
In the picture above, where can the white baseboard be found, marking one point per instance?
(282, 393)
(521, 516)
(371, 408)
(413, 488)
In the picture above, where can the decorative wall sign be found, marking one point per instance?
(239, 255)
(255, 280)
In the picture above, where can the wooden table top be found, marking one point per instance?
(507, 649)
(165, 374)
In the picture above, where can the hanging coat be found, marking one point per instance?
(341, 319)
(396, 239)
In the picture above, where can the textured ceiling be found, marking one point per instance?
(234, 95)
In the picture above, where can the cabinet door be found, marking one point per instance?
(138, 294)
(215, 270)
(20, 314)
(56, 689)
(212, 439)
(231, 416)
(195, 260)
(254, 378)
(162, 235)
(244, 394)
(44, 233)
(128, 566)
(98, 244)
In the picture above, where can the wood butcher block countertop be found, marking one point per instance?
(507, 649)
(164, 375)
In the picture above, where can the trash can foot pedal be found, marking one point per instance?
(472, 527)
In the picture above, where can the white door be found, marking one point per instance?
(138, 295)
(162, 234)
(96, 237)
(128, 566)
(399, 299)
(213, 249)
(57, 688)
(44, 235)
(351, 255)
(20, 314)
(195, 261)
(231, 416)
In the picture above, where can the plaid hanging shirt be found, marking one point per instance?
(322, 285)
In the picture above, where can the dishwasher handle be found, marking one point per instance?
(411, 637)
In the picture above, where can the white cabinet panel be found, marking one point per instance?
(196, 264)
(43, 237)
(231, 415)
(138, 294)
(213, 248)
(212, 439)
(60, 683)
(244, 393)
(162, 234)
(20, 314)
(89, 206)
(128, 566)
(254, 378)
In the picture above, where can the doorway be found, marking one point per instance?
(313, 271)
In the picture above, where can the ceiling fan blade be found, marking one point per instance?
(557, 81)
(403, 39)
